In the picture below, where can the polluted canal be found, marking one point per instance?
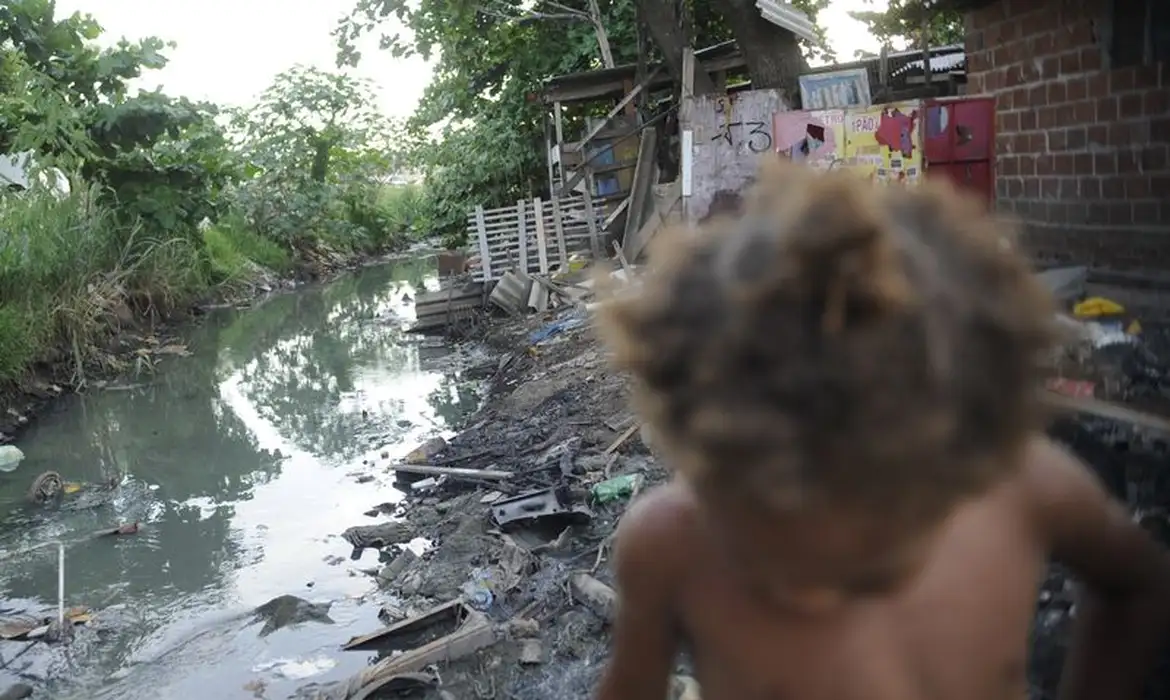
(241, 463)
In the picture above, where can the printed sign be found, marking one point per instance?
(840, 89)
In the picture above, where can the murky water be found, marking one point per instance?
(241, 463)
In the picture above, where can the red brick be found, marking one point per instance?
(1007, 122)
(1097, 84)
(1090, 187)
(1031, 187)
(1120, 213)
(1157, 103)
(1076, 138)
(1083, 163)
(1105, 164)
(1147, 77)
(1038, 97)
(1058, 140)
(1107, 109)
(1070, 62)
(1027, 121)
(1036, 142)
(1129, 106)
(1062, 164)
(1084, 112)
(1007, 166)
(1147, 213)
(1122, 80)
(1043, 44)
(1113, 188)
(1090, 58)
(1156, 158)
(975, 84)
(1137, 187)
(1129, 162)
(1160, 129)
(1076, 89)
(1049, 187)
(1045, 165)
(1098, 135)
(1068, 188)
(1057, 93)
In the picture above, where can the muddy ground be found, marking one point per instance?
(554, 414)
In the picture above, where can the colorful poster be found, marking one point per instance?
(815, 139)
(884, 142)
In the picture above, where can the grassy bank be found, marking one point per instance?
(72, 275)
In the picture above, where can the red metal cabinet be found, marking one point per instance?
(959, 129)
(974, 176)
(958, 141)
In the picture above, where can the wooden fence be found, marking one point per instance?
(534, 235)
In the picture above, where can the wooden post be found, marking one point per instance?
(559, 225)
(522, 235)
(580, 145)
(548, 155)
(485, 254)
(927, 73)
(602, 37)
(591, 220)
(688, 76)
(541, 243)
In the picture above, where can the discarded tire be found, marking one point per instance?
(46, 487)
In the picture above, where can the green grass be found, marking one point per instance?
(235, 250)
(70, 270)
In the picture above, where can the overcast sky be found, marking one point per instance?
(229, 50)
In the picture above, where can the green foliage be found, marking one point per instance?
(234, 251)
(901, 24)
(316, 152)
(166, 204)
(67, 265)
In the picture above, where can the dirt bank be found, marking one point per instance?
(558, 417)
(134, 337)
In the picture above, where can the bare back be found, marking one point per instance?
(956, 630)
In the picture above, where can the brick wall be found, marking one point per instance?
(1083, 151)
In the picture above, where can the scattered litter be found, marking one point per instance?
(1096, 307)
(478, 591)
(548, 331)
(295, 669)
(616, 488)
(128, 529)
(531, 652)
(10, 457)
(596, 596)
(427, 451)
(542, 505)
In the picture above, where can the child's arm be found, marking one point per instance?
(1123, 612)
(644, 635)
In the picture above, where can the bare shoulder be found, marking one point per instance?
(1082, 525)
(657, 532)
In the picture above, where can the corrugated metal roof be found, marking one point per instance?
(787, 17)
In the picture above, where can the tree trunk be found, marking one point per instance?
(772, 54)
(672, 34)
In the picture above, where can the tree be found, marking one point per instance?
(901, 24)
(158, 159)
(316, 149)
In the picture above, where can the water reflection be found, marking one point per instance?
(238, 460)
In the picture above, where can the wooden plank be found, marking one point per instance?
(644, 175)
(485, 256)
(688, 73)
(490, 474)
(591, 220)
(522, 233)
(617, 211)
(560, 231)
(601, 124)
(541, 243)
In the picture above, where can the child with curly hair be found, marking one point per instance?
(845, 379)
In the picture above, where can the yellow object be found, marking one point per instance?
(1134, 328)
(1095, 307)
(71, 487)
